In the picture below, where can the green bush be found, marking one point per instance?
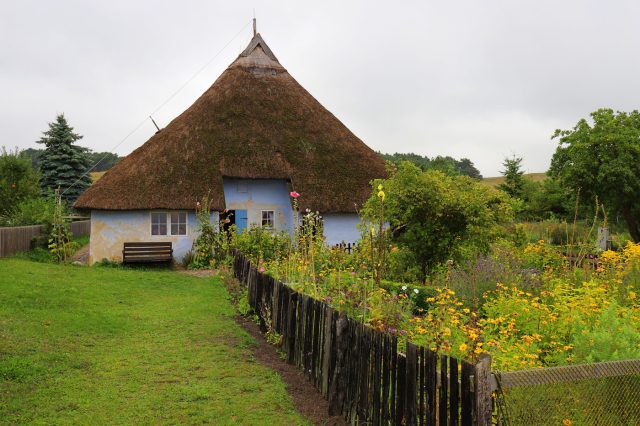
(260, 243)
(612, 337)
(18, 180)
(31, 211)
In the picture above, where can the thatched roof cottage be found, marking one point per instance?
(253, 137)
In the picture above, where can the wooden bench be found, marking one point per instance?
(147, 252)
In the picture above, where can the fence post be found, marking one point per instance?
(482, 389)
(337, 386)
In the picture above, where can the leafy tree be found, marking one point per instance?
(439, 217)
(513, 177)
(601, 160)
(419, 161)
(18, 180)
(62, 164)
(467, 168)
(547, 200)
(448, 165)
(100, 161)
(34, 154)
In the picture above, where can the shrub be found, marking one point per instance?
(439, 217)
(258, 243)
(612, 336)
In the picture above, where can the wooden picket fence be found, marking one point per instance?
(18, 238)
(359, 370)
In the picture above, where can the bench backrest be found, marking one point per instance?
(147, 252)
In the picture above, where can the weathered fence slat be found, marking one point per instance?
(454, 391)
(442, 394)
(411, 373)
(466, 410)
(482, 391)
(400, 389)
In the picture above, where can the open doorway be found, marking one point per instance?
(238, 218)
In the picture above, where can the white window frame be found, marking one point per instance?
(273, 219)
(169, 223)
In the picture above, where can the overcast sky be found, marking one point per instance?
(478, 79)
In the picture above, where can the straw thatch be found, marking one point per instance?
(254, 122)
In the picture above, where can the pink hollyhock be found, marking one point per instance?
(294, 194)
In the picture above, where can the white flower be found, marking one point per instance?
(404, 287)
(416, 291)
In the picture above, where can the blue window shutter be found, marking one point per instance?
(241, 220)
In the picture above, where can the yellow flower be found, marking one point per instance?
(381, 195)
(380, 187)
(566, 422)
(463, 347)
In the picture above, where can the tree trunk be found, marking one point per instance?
(632, 223)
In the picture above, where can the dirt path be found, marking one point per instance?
(306, 399)
(82, 255)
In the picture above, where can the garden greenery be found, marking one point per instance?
(437, 265)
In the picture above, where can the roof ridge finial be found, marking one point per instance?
(254, 23)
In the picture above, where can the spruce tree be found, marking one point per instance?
(62, 164)
(513, 177)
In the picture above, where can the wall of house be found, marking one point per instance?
(111, 229)
(340, 228)
(255, 195)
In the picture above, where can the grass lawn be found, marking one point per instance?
(99, 345)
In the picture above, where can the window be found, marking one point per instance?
(177, 223)
(267, 219)
(158, 224)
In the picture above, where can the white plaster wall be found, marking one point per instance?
(340, 228)
(111, 229)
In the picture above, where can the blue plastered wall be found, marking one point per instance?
(111, 229)
(340, 228)
(255, 195)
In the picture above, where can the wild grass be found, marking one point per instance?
(81, 345)
(497, 180)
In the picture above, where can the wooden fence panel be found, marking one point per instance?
(17, 239)
(81, 227)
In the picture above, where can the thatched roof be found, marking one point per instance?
(255, 122)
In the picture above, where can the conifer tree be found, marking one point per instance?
(513, 177)
(63, 164)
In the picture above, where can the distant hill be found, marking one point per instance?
(96, 175)
(495, 181)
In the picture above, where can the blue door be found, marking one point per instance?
(241, 220)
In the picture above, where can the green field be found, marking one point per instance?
(495, 181)
(100, 345)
